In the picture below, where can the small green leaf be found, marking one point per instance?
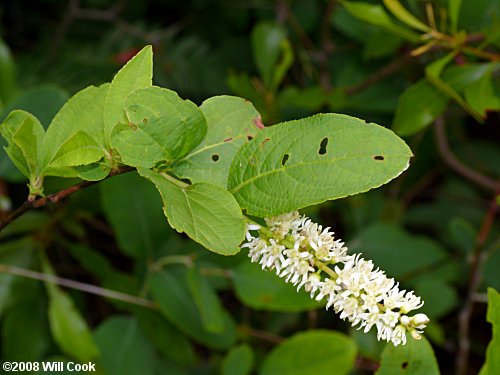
(207, 301)
(136, 74)
(7, 74)
(81, 114)
(230, 122)
(24, 135)
(267, 46)
(492, 364)
(80, 149)
(69, 329)
(170, 289)
(124, 348)
(396, 251)
(93, 171)
(418, 106)
(433, 74)
(311, 353)
(376, 15)
(263, 290)
(208, 214)
(238, 361)
(404, 16)
(454, 12)
(481, 94)
(440, 297)
(160, 126)
(304, 162)
(414, 358)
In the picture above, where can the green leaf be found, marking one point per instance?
(268, 39)
(140, 226)
(414, 358)
(264, 290)
(42, 101)
(27, 315)
(238, 361)
(439, 296)
(136, 74)
(170, 290)
(207, 301)
(311, 353)
(230, 121)
(80, 149)
(160, 126)
(24, 135)
(69, 329)
(93, 171)
(17, 253)
(7, 74)
(481, 94)
(376, 15)
(404, 16)
(454, 12)
(492, 364)
(396, 251)
(304, 162)
(124, 348)
(81, 114)
(433, 75)
(167, 339)
(418, 106)
(208, 214)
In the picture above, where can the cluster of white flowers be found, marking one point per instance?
(302, 252)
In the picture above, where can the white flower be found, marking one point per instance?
(301, 251)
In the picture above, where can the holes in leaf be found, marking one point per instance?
(284, 159)
(145, 121)
(378, 157)
(404, 365)
(249, 137)
(322, 146)
(215, 157)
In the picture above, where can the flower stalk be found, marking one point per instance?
(307, 255)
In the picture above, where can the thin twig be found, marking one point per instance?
(55, 197)
(378, 75)
(87, 288)
(476, 261)
(457, 165)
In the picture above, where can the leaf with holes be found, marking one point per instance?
(231, 122)
(304, 162)
(160, 126)
(208, 214)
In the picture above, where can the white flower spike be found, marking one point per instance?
(302, 252)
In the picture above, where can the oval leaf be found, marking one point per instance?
(414, 358)
(239, 361)
(206, 213)
(170, 289)
(312, 353)
(230, 122)
(264, 290)
(304, 162)
(160, 126)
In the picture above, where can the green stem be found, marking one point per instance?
(323, 267)
(173, 259)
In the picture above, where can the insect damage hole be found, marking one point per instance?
(215, 157)
(378, 157)
(322, 146)
(404, 365)
(284, 159)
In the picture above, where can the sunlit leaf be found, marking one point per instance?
(304, 162)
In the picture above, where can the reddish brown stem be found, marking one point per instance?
(55, 197)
